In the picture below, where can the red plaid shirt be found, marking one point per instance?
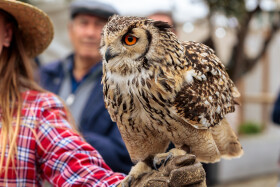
(54, 153)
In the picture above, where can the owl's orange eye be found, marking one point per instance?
(130, 40)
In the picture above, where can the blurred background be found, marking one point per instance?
(245, 35)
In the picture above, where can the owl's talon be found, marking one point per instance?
(157, 165)
(169, 156)
(130, 179)
(136, 173)
(127, 181)
(161, 159)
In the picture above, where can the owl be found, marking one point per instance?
(160, 90)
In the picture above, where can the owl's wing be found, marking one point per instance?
(207, 93)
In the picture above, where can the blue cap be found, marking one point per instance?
(92, 7)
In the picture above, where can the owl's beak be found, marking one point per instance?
(109, 55)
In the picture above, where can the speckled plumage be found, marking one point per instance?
(160, 90)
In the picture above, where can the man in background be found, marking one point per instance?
(276, 111)
(77, 80)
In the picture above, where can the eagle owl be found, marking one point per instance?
(159, 89)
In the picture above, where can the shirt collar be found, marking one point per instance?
(70, 66)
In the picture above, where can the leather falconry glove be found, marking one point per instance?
(174, 169)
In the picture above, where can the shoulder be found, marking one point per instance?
(41, 99)
(52, 67)
(36, 102)
(46, 107)
(57, 65)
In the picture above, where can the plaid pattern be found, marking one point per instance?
(48, 149)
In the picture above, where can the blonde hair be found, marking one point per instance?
(16, 72)
(16, 75)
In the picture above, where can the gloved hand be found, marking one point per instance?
(176, 169)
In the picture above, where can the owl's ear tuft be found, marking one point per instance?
(111, 17)
(161, 25)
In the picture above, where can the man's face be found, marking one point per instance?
(85, 34)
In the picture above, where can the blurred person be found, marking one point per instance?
(77, 80)
(37, 142)
(276, 111)
(276, 117)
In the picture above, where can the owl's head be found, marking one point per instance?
(130, 42)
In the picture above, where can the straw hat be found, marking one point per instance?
(35, 26)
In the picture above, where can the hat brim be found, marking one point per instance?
(35, 26)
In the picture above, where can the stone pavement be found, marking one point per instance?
(271, 180)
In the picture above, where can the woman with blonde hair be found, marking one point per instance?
(37, 141)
